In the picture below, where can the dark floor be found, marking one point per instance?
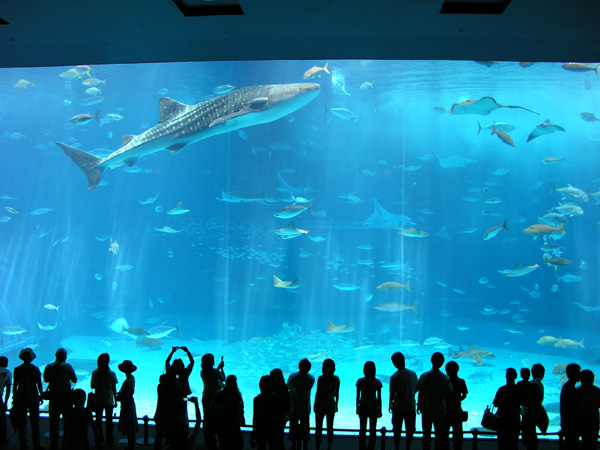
(340, 442)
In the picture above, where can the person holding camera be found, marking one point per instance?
(213, 380)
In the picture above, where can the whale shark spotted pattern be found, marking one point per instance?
(180, 125)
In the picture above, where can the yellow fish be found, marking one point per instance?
(569, 343)
(390, 286)
(315, 71)
(548, 340)
(504, 137)
(22, 84)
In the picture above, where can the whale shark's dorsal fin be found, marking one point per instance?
(126, 139)
(169, 108)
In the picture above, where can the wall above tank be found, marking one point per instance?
(39, 33)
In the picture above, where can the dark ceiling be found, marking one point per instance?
(67, 32)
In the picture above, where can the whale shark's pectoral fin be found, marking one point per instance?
(86, 162)
(256, 105)
(176, 147)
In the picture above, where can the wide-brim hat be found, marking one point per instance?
(27, 355)
(127, 367)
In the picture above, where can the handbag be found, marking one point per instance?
(46, 394)
(491, 421)
(464, 416)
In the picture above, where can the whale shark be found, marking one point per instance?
(180, 125)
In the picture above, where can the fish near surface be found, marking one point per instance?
(180, 125)
(580, 67)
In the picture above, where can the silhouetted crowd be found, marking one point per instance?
(435, 395)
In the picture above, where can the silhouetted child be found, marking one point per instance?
(300, 384)
(267, 417)
(128, 425)
(454, 411)
(525, 388)
(281, 390)
(569, 408)
(79, 417)
(213, 380)
(368, 405)
(403, 387)
(181, 440)
(5, 387)
(326, 402)
(589, 402)
(508, 400)
(227, 408)
(104, 383)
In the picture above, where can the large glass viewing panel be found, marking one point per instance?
(413, 206)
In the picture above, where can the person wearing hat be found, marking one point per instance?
(128, 424)
(59, 375)
(27, 388)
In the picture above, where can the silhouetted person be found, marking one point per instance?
(434, 389)
(227, 408)
(104, 383)
(300, 384)
(403, 387)
(59, 375)
(508, 400)
(368, 405)
(128, 424)
(267, 416)
(171, 409)
(281, 390)
(27, 388)
(454, 411)
(589, 402)
(213, 380)
(5, 388)
(534, 411)
(569, 408)
(79, 417)
(181, 371)
(181, 440)
(326, 402)
(525, 388)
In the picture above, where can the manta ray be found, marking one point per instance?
(382, 218)
(544, 128)
(482, 107)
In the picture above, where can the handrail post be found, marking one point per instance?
(383, 433)
(145, 440)
(475, 434)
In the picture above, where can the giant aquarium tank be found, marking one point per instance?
(381, 206)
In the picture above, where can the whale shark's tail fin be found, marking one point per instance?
(86, 162)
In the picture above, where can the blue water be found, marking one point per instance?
(214, 277)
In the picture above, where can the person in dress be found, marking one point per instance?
(326, 402)
(128, 424)
(104, 383)
(368, 405)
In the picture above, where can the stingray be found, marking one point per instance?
(382, 218)
(544, 128)
(482, 107)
